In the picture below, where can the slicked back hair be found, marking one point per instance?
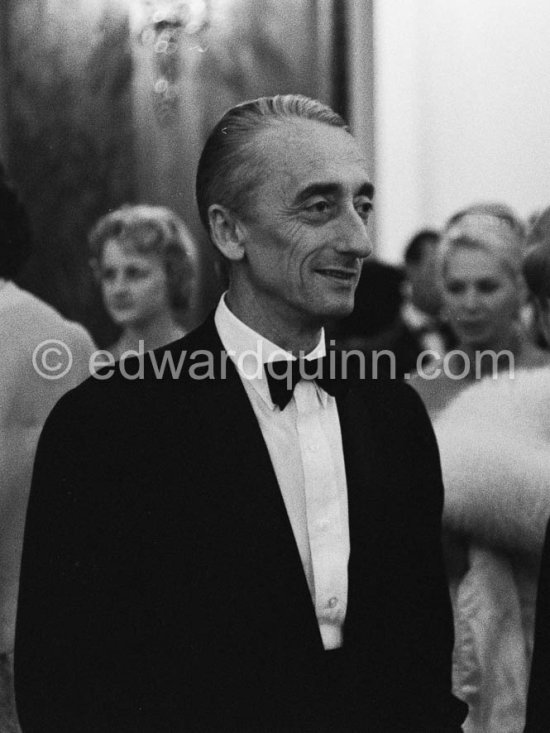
(231, 164)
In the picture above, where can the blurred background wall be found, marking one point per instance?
(68, 136)
(108, 101)
(462, 106)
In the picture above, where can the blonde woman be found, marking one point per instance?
(490, 401)
(143, 257)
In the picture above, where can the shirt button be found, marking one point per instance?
(312, 447)
(324, 524)
(333, 602)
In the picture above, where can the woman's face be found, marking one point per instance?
(134, 286)
(480, 298)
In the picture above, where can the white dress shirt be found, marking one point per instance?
(305, 446)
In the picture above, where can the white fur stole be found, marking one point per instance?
(494, 439)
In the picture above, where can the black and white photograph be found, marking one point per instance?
(274, 366)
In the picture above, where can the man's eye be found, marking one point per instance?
(455, 287)
(318, 206)
(107, 275)
(363, 206)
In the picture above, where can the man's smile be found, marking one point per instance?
(341, 274)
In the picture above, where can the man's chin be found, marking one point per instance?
(340, 310)
(329, 311)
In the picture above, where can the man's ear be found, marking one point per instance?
(226, 232)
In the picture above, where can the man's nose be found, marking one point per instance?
(355, 238)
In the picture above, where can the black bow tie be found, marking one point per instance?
(283, 376)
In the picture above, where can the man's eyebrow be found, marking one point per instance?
(367, 189)
(328, 189)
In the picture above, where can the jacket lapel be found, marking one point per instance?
(367, 510)
(246, 476)
(245, 469)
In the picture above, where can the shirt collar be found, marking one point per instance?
(249, 351)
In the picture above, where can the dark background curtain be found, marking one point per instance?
(79, 133)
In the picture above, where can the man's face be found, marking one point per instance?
(305, 227)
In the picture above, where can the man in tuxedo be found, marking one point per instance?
(213, 550)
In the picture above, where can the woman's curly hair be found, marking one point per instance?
(150, 230)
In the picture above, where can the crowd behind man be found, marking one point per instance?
(417, 329)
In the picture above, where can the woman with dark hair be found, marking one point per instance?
(144, 260)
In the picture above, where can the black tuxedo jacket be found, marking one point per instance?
(162, 589)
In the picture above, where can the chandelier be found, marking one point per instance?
(167, 23)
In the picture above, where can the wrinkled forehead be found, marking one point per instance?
(296, 150)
